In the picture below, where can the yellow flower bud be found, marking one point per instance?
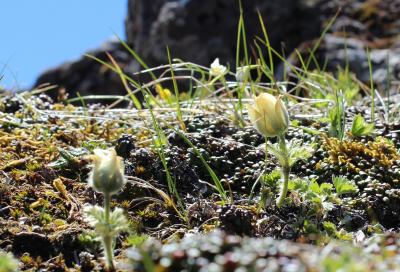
(107, 174)
(165, 94)
(269, 115)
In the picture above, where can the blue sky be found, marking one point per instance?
(39, 34)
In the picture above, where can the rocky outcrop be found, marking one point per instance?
(201, 30)
(88, 76)
(195, 30)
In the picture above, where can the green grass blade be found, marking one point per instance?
(267, 42)
(136, 56)
(323, 34)
(371, 87)
(178, 107)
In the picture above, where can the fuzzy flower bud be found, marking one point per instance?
(242, 73)
(217, 69)
(269, 115)
(107, 175)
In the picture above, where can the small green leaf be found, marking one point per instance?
(68, 158)
(360, 127)
(326, 188)
(298, 151)
(329, 227)
(344, 186)
(314, 187)
(271, 179)
(136, 239)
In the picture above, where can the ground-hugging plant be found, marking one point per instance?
(106, 177)
(269, 116)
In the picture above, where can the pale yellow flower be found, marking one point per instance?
(107, 174)
(269, 115)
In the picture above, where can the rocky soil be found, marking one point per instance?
(43, 188)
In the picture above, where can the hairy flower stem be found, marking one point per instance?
(107, 242)
(107, 198)
(107, 239)
(285, 170)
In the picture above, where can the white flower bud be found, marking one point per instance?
(242, 73)
(216, 69)
(107, 174)
(269, 115)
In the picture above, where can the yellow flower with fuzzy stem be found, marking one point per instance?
(107, 175)
(269, 115)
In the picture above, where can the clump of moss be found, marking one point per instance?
(352, 154)
(374, 166)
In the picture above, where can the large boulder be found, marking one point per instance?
(341, 51)
(87, 76)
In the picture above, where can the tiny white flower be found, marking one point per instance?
(217, 69)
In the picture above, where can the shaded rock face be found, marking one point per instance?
(200, 31)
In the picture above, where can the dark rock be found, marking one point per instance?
(10, 104)
(236, 220)
(33, 243)
(87, 76)
(125, 144)
(361, 25)
(200, 31)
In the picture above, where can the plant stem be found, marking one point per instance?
(107, 207)
(107, 242)
(107, 239)
(285, 170)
